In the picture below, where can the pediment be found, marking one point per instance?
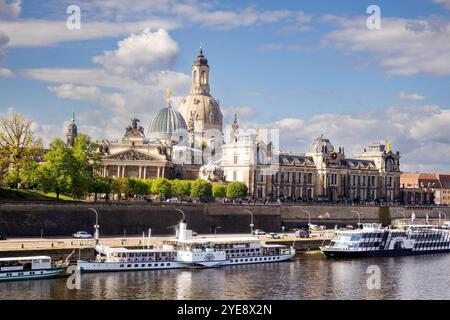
(131, 154)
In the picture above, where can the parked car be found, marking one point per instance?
(302, 233)
(82, 235)
(173, 200)
(2, 236)
(349, 226)
(274, 235)
(259, 232)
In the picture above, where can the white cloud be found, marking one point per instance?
(115, 101)
(41, 33)
(140, 53)
(401, 47)
(243, 113)
(419, 133)
(6, 73)
(114, 18)
(10, 9)
(444, 3)
(410, 96)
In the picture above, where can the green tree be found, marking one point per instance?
(88, 162)
(120, 186)
(384, 215)
(201, 189)
(181, 188)
(58, 172)
(162, 187)
(29, 175)
(219, 190)
(237, 189)
(17, 146)
(100, 185)
(138, 187)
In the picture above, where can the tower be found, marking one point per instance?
(201, 109)
(72, 131)
(200, 75)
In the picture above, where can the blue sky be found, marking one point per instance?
(303, 67)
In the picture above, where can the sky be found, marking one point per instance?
(301, 67)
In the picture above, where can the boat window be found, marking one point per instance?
(168, 264)
(156, 264)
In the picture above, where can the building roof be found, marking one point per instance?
(417, 180)
(295, 159)
(321, 145)
(360, 164)
(167, 121)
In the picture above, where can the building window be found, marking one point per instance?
(310, 177)
(234, 175)
(235, 159)
(259, 176)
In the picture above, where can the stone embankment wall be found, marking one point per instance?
(28, 219)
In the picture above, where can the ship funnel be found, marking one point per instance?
(183, 232)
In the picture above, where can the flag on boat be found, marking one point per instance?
(427, 216)
(413, 216)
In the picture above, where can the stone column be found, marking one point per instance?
(145, 173)
(140, 172)
(118, 171)
(163, 169)
(123, 171)
(159, 172)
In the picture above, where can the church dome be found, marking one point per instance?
(203, 109)
(166, 122)
(321, 145)
(200, 60)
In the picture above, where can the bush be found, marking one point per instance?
(219, 190)
(237, 189)
(384, 216)
(201, 189)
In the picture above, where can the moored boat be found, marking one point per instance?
(185, 251)
(28, 268)
(371, 240)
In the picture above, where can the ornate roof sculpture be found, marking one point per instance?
(134, 131)
(130, 154)
(211, 172)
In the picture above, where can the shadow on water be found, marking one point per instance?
(308, 276)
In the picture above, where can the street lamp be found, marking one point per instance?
(184, 216)
(403, 214)
(251, 221)
(359, 215)
(96, 226)
(445, 215)
(309, 216)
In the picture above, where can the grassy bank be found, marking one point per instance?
(30, 195)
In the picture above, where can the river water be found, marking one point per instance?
(307, 276)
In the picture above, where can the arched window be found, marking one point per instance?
(194, 76)
(203, 77)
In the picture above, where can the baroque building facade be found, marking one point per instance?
(188, 143)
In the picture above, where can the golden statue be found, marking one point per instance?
(168, 96)
(389, 146)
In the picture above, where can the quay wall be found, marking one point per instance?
(28, 219)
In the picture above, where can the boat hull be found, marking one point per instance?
(379, 253)
(30, 274)
(93, 266)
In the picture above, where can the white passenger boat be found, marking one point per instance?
(27, 268)
(371, 240)
(184, 251)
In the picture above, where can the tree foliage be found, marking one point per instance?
(237, 189)
(181, 188)
(18, 148)
(201, 189)
(384, 215)
(162, 187)
(219, 190)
